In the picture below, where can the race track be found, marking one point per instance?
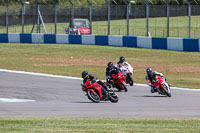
(61, 97)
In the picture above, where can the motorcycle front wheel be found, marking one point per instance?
(167, 92)
(122, 85)
(130, 79)
(94, 97)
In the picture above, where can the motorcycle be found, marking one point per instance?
(119, 80)
(128, 71)
(162, 86)
(94, 92)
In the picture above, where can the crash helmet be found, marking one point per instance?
(121, 59)
(110, 65)
(85, 74)
(149, 71)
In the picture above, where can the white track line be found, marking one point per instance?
(40, 74)
(15, 100)
(77, 78)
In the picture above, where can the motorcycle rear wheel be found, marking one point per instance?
(113, 97)
(93, 97)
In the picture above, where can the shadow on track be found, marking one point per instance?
(153, 96)
(83, 102)
(119, 91)
(92, 102)
(150, 96)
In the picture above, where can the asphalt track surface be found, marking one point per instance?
(60, 97)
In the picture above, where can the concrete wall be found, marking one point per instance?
(178, 44)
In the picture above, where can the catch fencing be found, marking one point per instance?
(181, 21)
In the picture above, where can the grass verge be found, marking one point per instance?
(182, 69)
(98, 125)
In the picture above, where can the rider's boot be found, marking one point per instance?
(106, 88)
(153, 90)
(104, 94)
(103, 85)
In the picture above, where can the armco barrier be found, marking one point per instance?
(178, 44)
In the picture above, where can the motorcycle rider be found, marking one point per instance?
(151, 77)
(86, 76)
(110, 69)
(122, 62)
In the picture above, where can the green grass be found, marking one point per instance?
(157, 27)
(180, 68)
(98, 125)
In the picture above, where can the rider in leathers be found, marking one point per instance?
(86, 75)
(151, 77)
(122, 62)
(111, 69)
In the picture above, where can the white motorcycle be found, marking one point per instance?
(128, 71)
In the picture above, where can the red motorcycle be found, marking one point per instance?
(162, 86)
(119, 80)
(94, 92)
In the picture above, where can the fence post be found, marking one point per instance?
(168, 15)
(72, 13)
(23, 13)
(90, 13)
(38, 16)
(178, 33)
(108, 4)
(6, 4)
(147, 17)
(127, 14)
(163, 33)
(119, 31)
(189, 15)
(55, 18)
(55, 15)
